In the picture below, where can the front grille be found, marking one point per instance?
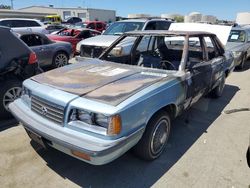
(47, 109)
(91, 51)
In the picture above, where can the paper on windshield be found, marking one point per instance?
(221, 31)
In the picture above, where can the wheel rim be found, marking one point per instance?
(160, 137)
(11, 95)
(61, 60)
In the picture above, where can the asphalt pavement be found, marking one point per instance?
(207, 148)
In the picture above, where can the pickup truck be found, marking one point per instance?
(97, 109)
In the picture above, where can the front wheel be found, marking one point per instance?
(10, 90)
(218, 90)
(242, 64)
(155, 137)
(60, 59)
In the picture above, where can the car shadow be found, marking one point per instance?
(128, 170)
(246, 67)
(8, 123)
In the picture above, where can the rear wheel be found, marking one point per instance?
(60, 59)
(10, 90)
(155, 137)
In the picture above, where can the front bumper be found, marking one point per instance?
(101, 151)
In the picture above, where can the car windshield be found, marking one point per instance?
(237, 36)
(119, 28)
(160, 52)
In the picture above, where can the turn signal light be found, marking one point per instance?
(81, 155)
(115, 125)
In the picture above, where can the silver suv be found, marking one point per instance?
(239, 43)
(22, 25)
(93, 47)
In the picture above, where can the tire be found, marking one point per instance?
(154, 138)
(242, 64)
(9, 91)
(60, 59)
(218, 90)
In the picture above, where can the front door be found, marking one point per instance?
(200, 70)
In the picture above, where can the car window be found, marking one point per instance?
(91, 26)
(32, 40)
(195, 52)
(211, 48)
(119, 28)
(163, 25)
(99, 26)
(84, 34)
(6, 23)
(237, 36)
(151, 26)
(121, 53)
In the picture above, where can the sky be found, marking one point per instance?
(222, 9)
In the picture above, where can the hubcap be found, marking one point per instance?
(160, 137)
(11, 95)
(61, 60)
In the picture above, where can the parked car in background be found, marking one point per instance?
(71, 20)
(17, 62)
(239, 44)
(23, 24)
(93, 47)
(73, 36)
(52, 19)
(96, 25)
(54, 28)
(49, 53)
(123, 99)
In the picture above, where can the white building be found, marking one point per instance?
(208, 19)
(198, 17)
(243, 18)
(171, 16)
(86, 14)
(131, 16)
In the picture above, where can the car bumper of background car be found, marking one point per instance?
(85, 147)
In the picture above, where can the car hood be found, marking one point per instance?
(103, 81)
(101, 40)
(234, 46)
(221, 31)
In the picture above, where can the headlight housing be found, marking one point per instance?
(237, 54)
(112, 124)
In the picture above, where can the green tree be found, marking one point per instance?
(5, 6)
(179, 18)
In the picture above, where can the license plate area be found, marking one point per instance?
(37, 138)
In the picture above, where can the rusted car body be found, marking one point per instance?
(97, 109)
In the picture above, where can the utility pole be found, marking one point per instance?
(12, 6)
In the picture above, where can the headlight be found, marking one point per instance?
(81, 115)
(26, 91)
(237, 54)
(112, 124)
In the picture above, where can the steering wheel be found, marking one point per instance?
(165, 65)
